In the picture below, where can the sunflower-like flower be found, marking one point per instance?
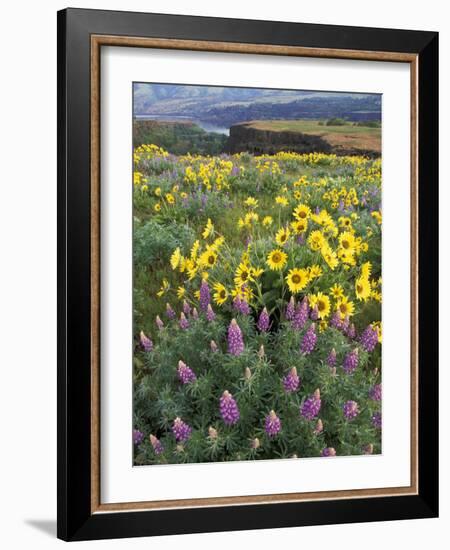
(321, 302)
(282, 201)
(362, 288)
(267, 221)
(276, 259)
(220, 294)
(282, 236)
(297, 279)
(345, 307)
(176, 257)
(209, 229)
(243, 274)
(337, 291)
(208, 258)
(347, 241)
(316, 240)
(251, 202)
(329, 255)
(301, 212)
(299, 226)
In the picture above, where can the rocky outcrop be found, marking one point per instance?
(246, 138)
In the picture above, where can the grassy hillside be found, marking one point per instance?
(347, 135)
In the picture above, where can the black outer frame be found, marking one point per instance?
(75, 521)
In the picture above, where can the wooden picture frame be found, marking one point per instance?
(81, 35)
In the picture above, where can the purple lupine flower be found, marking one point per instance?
(213, 346)
(331, 359)
(210, 315)
(146, 343)
(186, 308)
(339, 323)
(351, 331)
(290, 309)
(314, 315)
(158, 447)
(241, 305)
(375, 392)
(291, 381)
(351, 361)
(301, 314)
(309, 340)
(170, 312)
(311, 406)
(181, 430)
(235, 340)
(272, 424)
(185, 373)
(368, 449)
(205, 295)
(138, 436)
(194, 313)
(351, 410)
(159, 323)
(263, 321)
(184, 323)
(369, 338)
(328, 451)
(376, 420)
(319, 427)
(300, 239)
(229, 409)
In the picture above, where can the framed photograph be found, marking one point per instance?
(247, 254)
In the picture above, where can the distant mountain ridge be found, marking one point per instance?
(225, 106)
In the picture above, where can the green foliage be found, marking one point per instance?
(178, 138)
(160, 397)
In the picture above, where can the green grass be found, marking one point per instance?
(312, 127)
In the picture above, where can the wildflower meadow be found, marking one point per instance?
(257, 306)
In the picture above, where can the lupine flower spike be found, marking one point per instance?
(301, 314)
(138, 437)
(331, 359)
(146, 343)
(229, 409)
(291, 381)
(290, 309)
(210, 315)
(205, 295)
(213, 346)
(369, 338)
(351, 410)
(185, 373)
(263, 321)
(235, 340)
(311, 406)
(272, 424)
(158, 447)
(184, 323)
(309, 340)
(328, 451)
(181, 430)
(351, 361)
(186, 308)
(170, 312)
